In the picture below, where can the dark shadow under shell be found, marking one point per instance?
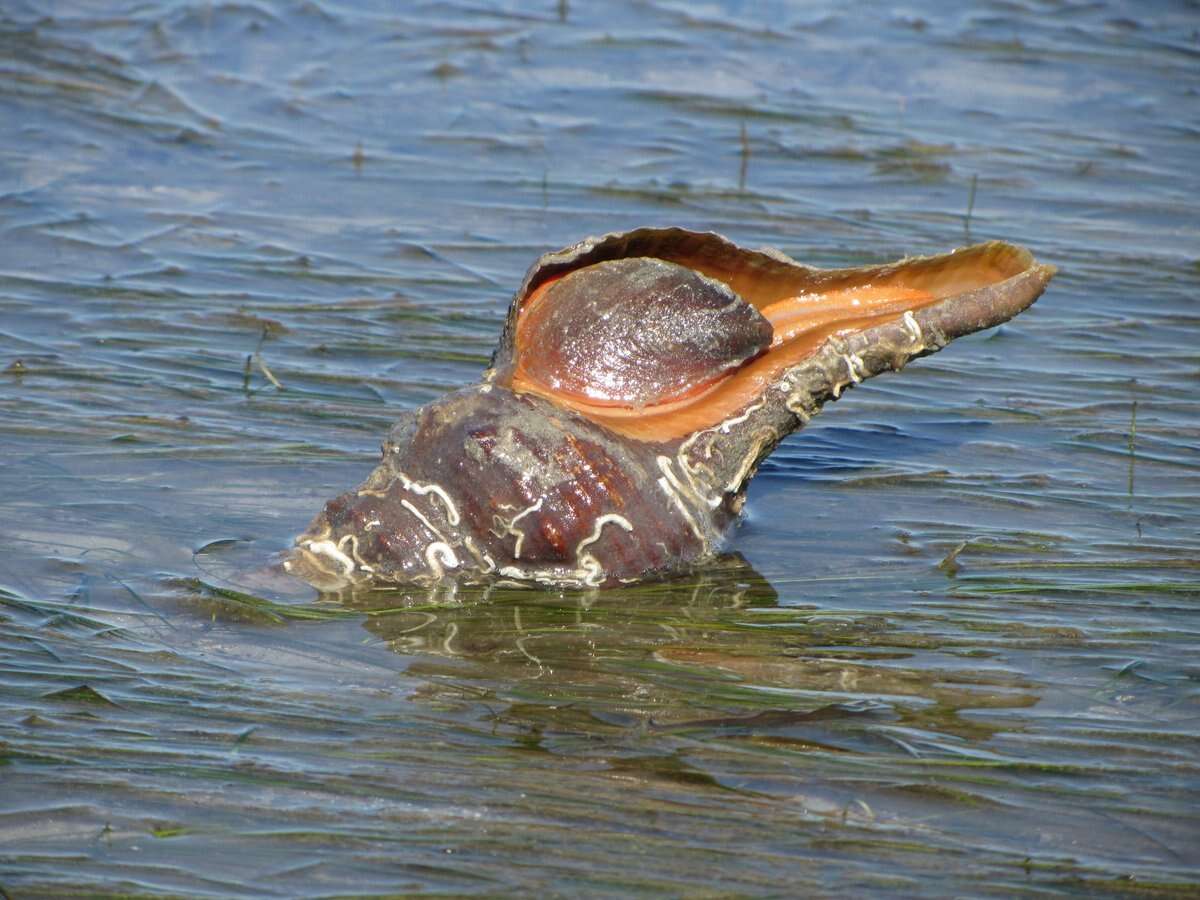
(637, 332)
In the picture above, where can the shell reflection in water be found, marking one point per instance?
(610, 663)
(640, 380)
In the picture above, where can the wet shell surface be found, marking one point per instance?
(640, 380)
(637, 332)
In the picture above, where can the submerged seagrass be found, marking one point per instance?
(640, 380)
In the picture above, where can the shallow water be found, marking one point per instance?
(958, 651)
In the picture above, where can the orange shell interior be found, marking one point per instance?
(804, 313)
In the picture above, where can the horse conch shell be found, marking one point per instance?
(640, 380)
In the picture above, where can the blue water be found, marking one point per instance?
(957, 652)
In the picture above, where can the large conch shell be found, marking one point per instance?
(640, 380)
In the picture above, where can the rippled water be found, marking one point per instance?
(958, 652)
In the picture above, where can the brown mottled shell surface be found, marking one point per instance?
(638, 332)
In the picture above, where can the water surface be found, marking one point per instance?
(957, 653)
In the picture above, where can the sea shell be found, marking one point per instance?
(640, 380)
